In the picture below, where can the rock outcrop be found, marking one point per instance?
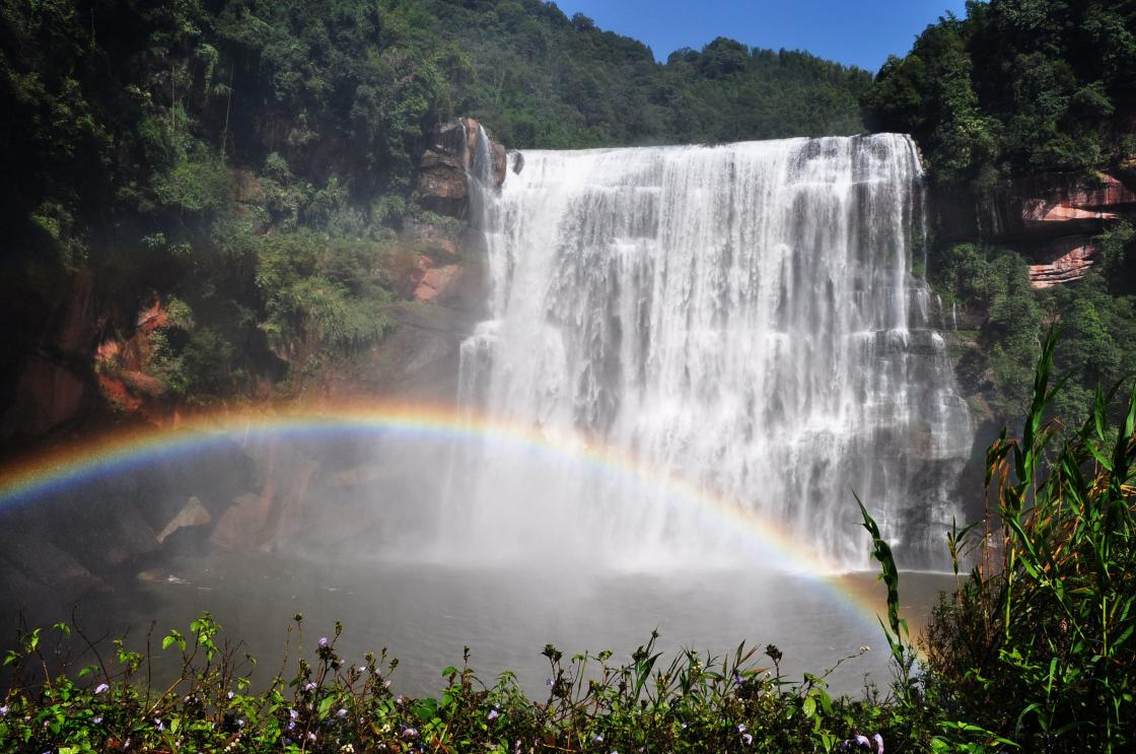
(192, 515)
(53, 382)
(444, 173)
(1049, 219)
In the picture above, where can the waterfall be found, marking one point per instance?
(745, 317)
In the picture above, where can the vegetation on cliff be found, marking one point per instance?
(1017, 87)
(1012, 95)
(256, 160)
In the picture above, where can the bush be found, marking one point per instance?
(694, 703)
(1037, 645)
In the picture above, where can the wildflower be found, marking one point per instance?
(158, 722)
(323, 642)
(863, 741)
(738, 678)
(493, 714)
(347, 749)
(341, 713)
(362, 668)
(879, 741)
(747, 739)
(291, 725)
(741, 728)
(386, 684)
(4, 710)
(102, 688)
(865, 648)
(598, 739)
(410, 733)
(548, 682)
(97, 719)
(240, 722)
(229, 695)
(311, 736)
(293, 714)
(398, 699)
(310, 686)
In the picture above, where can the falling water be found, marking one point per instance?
(743, 316)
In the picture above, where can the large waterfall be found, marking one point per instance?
(749, 317)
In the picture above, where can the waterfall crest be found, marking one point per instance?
(743, 316)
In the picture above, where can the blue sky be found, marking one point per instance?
(859, 33)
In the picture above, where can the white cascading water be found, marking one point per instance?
(744, 317)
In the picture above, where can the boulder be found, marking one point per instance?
(243, 523)
(193, 514)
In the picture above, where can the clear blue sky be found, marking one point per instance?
(858, 33)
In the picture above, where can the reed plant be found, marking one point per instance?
(1035, 649)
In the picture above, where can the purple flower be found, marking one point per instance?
(3, 710)
(310, 686)
(102, 688)
(741, 728)
(291, 725)
(747, 739)
(311, 736)
(323, 642)
(97, 719)
(293, 714)
(598, 739)
(341, 713)
(863, 741)
(410, 733)
(493, 714)
(879, 740)
(240, 722)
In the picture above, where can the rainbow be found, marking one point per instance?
(56, 470)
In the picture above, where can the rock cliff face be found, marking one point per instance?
(1050, 219)
(55, 379)
(443, 184)
(93, 362)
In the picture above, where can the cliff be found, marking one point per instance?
(94, 368)
(1050, 219)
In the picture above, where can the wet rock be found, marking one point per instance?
(242, 524)
(443, 173)
(192, 515)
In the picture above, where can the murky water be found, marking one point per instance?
(426, 614)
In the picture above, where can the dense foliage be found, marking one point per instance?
(1001, 321)
(256, 159)
(1038, 644)
(1017, 87)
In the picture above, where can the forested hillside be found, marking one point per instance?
(250, 163)
(1014, 104)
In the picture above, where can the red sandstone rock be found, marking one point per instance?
(1073, 264)
(437, 282)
